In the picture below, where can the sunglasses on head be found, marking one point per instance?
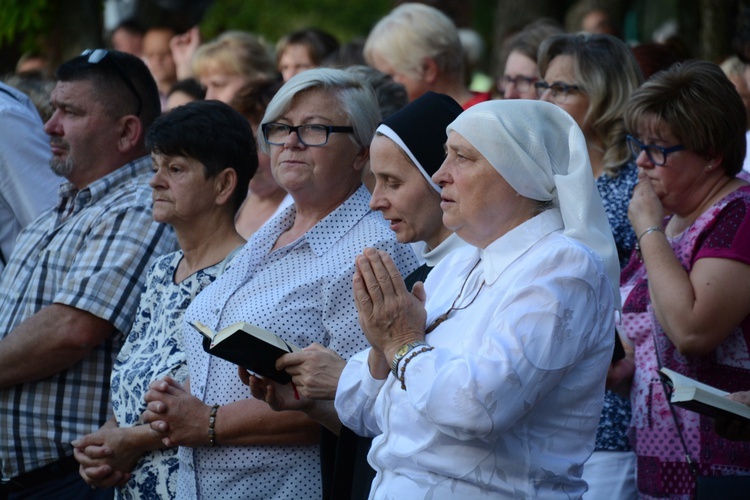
(95, 56)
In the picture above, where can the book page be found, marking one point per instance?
(255, 331)
(269, 337)
(203, 329)
(678, 380)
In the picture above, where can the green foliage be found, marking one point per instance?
(23, 20)
(274, 18)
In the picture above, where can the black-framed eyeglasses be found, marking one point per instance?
(558, 91)
(310, 134)
(95, 56)
(522, 83)
(656, 154)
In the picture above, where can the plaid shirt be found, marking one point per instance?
(90, 252)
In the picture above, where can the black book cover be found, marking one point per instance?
(244, 347)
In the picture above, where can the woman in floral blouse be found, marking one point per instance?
(204, 156)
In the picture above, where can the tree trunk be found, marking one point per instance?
(715, 18)
(77, 27)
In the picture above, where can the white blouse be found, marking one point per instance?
(509, 400)
(303, 293)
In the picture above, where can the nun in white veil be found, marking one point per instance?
(494, 385)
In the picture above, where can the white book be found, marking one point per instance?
(702, 398)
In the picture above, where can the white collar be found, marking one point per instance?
(432, 256)
(502, 252)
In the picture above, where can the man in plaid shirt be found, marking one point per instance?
(71, 287)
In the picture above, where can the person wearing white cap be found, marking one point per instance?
(490, 378)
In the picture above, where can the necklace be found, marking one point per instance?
(453, 307)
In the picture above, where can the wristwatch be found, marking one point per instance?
(403, 351)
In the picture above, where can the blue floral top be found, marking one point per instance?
(611, 435)
(616, 193)
(153, 350)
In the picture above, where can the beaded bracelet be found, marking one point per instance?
(211, 423)
(412, 355)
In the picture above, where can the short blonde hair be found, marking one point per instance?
(236, 53)
(413, 32)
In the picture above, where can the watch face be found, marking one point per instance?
(403, 349)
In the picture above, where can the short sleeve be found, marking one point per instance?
(729, 235)
(108, 273)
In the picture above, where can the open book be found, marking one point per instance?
(695, 396)
(249, 346)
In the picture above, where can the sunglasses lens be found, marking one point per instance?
(97, 56)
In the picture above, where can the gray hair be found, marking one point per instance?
(356, 98)
(391, 95)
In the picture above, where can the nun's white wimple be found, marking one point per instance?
(541, 152)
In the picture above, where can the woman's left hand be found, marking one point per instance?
(177, 415)
(389, 314)
(735, 429)
(105, 457)
(645, 209)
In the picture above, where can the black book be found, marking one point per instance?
(249, 346)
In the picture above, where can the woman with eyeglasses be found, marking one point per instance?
(591, 77)
(687, 291)
(292, 278)
(521, 70)
(488, 381)
(265, 198)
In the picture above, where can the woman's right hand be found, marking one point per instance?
(175, 415)
(645, 209)
(279, 397)
(315, 370)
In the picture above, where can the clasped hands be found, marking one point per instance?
(173, 417)
(390, 317)
(178, 417)
(389, 314)
(105, 457)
